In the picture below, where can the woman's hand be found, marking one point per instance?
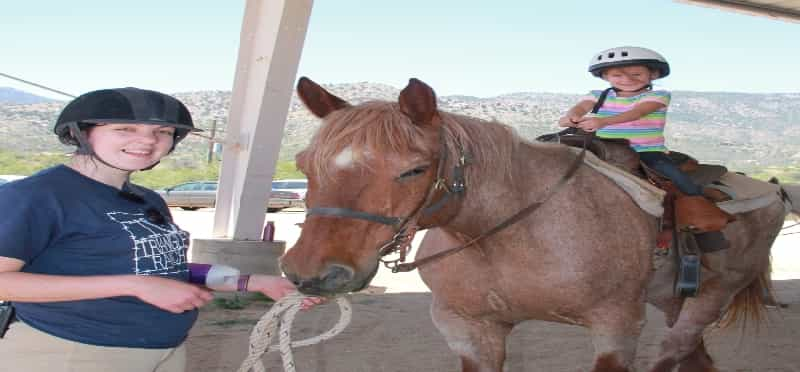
(276, 287)
(169, 294)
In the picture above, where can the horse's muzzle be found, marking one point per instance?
(336, 279)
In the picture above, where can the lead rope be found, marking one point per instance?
(283, 313)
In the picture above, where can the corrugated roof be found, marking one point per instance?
(786, 10)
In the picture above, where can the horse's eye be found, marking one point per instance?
(414, 172)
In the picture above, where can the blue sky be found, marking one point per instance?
(478, 48)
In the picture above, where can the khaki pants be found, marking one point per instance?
(26, 349)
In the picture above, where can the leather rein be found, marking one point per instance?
(405, 228)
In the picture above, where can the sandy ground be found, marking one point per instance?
(392, 331)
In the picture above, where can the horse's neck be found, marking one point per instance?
(535, 170)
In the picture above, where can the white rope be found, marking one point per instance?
(266, 327)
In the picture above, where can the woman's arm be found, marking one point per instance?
(167, 294)
(228, 279)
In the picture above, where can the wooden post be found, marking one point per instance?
(211, 140)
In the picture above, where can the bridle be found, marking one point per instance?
(406, 227)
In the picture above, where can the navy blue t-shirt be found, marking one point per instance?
(60, 222)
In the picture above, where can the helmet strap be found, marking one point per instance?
(84, 148)
(150, 167)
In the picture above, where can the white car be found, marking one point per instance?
(6, 178)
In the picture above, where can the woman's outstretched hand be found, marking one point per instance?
(276, 287)
(169, 294)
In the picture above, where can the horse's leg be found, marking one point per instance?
(684, 339)
(615, 339)
(481, 344)
(698, 360)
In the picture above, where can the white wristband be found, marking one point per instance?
(220, 277)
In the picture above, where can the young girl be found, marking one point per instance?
(93, 265)
(632, 110)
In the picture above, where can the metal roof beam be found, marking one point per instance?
(751, 8)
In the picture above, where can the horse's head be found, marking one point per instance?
(371, 168)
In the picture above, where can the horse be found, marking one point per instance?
(582, 253)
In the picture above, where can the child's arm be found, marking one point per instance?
(574, 115)
(638, 111)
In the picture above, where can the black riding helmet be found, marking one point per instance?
(121, 106)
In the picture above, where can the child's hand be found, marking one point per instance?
(590, 124)
(568, 121)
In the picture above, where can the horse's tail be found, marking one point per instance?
(749, 303)
(791, 193)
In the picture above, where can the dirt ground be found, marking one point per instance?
(393, 332)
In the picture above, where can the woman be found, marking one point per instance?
(94, 266)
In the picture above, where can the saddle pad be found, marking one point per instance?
(747, 193)
(646, 196)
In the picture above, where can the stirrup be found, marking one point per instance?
(688, 283)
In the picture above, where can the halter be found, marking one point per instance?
(406, 227)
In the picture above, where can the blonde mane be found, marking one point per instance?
(380, 127)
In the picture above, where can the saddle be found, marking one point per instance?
(696, 214)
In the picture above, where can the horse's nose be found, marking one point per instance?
(333, 279)
(336, 276)
(301, 284)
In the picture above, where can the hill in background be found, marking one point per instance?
(743, 131)
(14, 96)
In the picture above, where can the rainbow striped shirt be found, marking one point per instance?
(645, 133)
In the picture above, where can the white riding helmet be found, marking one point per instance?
(628, 56)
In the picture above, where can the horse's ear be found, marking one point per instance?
(318, 100)
(418, 102)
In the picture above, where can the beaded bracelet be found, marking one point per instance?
(241, 284)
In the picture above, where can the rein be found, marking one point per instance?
(405, 267)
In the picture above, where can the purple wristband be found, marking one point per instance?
(198, 273)
(241, 284)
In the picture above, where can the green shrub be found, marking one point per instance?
(235, 303)
(169, 172)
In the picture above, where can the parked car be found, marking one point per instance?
(6, 178)
(299, 186)
(191, 195)
(203, 194)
